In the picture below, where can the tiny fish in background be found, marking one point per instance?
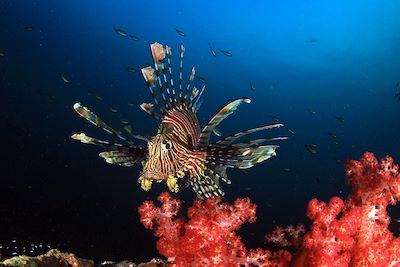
(180, 153)
(181, 33)
(212, 50)
(28, 28)
(339, 119)
(312, 148)
(64, 78)
(130, 69)
(201, 79)
(226, 52)
(252, 86)
(134, 37)
(121, 32)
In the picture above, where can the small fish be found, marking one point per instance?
(274, 118)
(212, 50)
(180, 153)
(134, 38)
(131, 104)
(252, 86)
(201, 79)
(225, 52)
(128, 129)
(28, 28)
(2, 54)
(64, 77)
(121, 32)
(339, 119)
(217, 132)
(181, 33)
(287, 169)
(113, 109)
(98, 96)
(311, 41)
(397, 220)
(332, 135)
(312, 148)
(124, 121)
(131, 69)
(311, 111)
(291, 131)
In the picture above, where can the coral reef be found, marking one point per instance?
(355, 232)
(55, 258)
(208, 237)
(352, 232)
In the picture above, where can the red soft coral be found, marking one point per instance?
(208, 238)
(355, 232)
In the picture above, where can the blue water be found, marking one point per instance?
(335, 58)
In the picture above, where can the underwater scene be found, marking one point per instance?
(200, 133)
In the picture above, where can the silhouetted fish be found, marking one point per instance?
(200, 78)
(225, 52)
(121, 32)
(28, 28)
(252, 86)
(340, 119)
(212, 50)
(131, 69)
(312, 148)
(312, 41)
(134, 38)
(181, 33)
(64, 77)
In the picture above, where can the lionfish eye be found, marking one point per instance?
(167, 144)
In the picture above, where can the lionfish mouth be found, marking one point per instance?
(153, 175)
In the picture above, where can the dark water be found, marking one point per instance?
(309, 61)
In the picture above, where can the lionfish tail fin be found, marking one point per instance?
(116, 153)
(160, 80)
(224, 112)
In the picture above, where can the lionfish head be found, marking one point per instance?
(163, 156)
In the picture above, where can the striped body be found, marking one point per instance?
(180, 153)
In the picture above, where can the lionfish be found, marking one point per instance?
(180, 153)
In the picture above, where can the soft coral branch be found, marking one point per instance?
(208, 238)
(355, 232)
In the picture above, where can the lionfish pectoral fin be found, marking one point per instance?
(96, 120)
(224, 112)
(123, 155)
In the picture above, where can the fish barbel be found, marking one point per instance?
(180, 153)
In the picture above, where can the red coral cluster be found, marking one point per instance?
(208, 238)
(355, 232)
(343, 233)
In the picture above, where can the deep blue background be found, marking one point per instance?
(59, 192)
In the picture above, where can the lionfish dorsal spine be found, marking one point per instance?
(181, 55)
